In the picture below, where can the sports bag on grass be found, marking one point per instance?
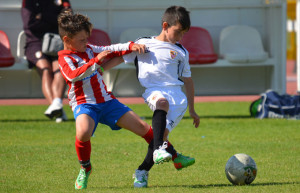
(52, 44)
(273, 105)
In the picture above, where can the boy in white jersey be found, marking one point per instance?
(160, 70)
(89, 99)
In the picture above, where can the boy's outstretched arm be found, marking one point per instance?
(112, 63)
(189, 88)
(140, 48)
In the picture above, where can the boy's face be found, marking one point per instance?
(174, 33)
(79, 41)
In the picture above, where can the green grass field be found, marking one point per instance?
(38, 155)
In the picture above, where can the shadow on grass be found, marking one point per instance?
(31, 120)
(224, 117)
(201, 186)
(230, 185)
(143, 117)
(212, 117)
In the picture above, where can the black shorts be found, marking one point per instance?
(33, 53)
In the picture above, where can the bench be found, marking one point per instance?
(221, 77)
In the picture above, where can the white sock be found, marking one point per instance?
(57, 100)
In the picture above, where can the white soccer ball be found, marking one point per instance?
(241, 169)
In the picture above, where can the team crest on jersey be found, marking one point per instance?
(173, 54)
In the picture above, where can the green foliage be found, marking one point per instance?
(38, 155)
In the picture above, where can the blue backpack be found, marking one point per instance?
(273, 105)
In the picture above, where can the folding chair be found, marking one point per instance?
(241, 44)
(6, 58)
(99, 38)
(21, 48)
(200, 46)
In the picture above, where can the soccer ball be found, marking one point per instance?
(241, 169)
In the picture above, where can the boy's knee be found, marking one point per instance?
(162, 104)
(83, 136)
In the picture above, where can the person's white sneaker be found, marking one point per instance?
(54, 110)
(160, 155)
(61, 118)
(140, 179)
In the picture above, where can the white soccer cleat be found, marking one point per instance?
(140, 179)
(161, 155)
(54, 110)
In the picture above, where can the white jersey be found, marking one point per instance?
(162, 64)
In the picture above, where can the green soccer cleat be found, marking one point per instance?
(140, 179)
(183, 161)
(82, 179)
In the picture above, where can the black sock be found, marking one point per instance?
(148, 161)
(159, 123)
(171, 149)
(86, 164)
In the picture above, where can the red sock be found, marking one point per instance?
(149, 135)
(174, 155)
(83, 150)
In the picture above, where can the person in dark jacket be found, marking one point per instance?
(40, 17)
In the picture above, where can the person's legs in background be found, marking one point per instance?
(44, 69)
(53, 87)
(58, 88)
(53, 84)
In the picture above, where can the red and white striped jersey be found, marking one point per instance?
(79, 69)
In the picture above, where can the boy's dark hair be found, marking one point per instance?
(70, 24)
(176, 14)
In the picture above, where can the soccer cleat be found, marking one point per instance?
(182, 161)
(82, 179)
(140, 179)
(61, 118)
(161, 155)
(54, 110)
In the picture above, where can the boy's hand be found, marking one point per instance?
(103, 54)
(138, 48)
(196, 118)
